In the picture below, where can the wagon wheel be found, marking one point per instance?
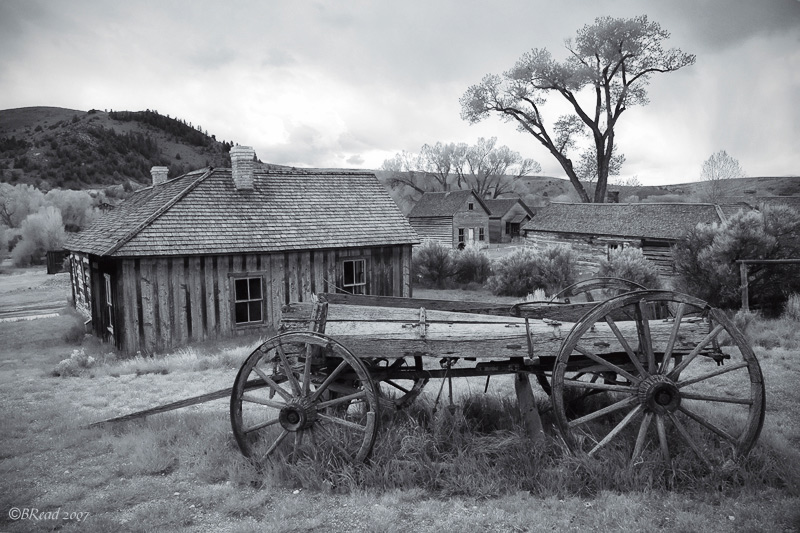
(663, 389)
(302, 392)
(597, 289)
(398, 392)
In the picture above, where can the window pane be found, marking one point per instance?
(241, 289)
(255, 288)
(255, 311)
(241, 313)
(349, 274)
(359, 271)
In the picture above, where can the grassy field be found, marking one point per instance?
(182, 471)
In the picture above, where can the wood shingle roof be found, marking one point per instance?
(288, 209)
(649, 221)
(500, 206)
(444, 204)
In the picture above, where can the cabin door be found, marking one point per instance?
(471, 235)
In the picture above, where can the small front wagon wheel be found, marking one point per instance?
(687, 385)
(303, 393)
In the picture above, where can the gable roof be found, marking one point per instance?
(498, 207)
(654, 221)
(444, 204)
(288, 209)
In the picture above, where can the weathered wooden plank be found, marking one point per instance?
(224, 294)
(130, 333)
(196, 298)
(210, 297)
(277, 281)
(304, 283)
(292, 269)
(415, 303)
(317, 272)
(149, 295)
(396, 271)
(180, 311)
(333, 281)
(407, 291)
(162, 290)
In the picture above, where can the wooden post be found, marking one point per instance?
(527, 407)
(745, 294)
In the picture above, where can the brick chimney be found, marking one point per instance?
(243, 164)
(159, 175)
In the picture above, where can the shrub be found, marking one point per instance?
(630, 263)
(792, 308)
(40, 232)
(705, 259)
(75, 364)
(525, 270)
(432, 264)
(471, 265)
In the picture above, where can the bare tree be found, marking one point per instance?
(717, 170)
(493, 170)
(612, 59)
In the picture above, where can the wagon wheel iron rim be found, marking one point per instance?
(302, 393)
(398, 392)
(670, 396)
(587, 288)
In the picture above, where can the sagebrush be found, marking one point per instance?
(525, 270)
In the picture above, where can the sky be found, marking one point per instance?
(352, 83)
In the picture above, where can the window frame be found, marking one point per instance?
(481, 234)
(239, 276)
(364, 285)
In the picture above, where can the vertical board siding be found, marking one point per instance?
(179, 293)
(211, 296)
(196, 298)
(164, 286)
(149, 295)
(304, 276)
(131, 342)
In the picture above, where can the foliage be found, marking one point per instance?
(77, 207)
(484, 167)
(471, 265)
(614, 58)
(41, 232)
(705, 259)
(17, 202)
(525, 270)
(75, 365)
(717, 170)
(631, 264)
(432, 264)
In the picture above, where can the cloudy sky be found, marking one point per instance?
(351, 83)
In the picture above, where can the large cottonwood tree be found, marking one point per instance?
(606, 72)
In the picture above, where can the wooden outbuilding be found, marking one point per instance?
(218, 252)
(594, 230)
(507, 218)
(454, 218)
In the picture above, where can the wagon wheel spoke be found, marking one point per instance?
(263, 401)
(688, 439)
(622, 404)
(577, 384)
(298, 442)
(619, 427)
(641, 436)
(342, 422)
(307, 370)
(274, 386)
(673, 336)
(342, 400)
(721, 399)
(662, 439)
(645, 337)
(696, 351)
(277, 442)
(708, 425)
(287, 368)
(330, 379)
(722, 370)
(611, 366)
(409, 387)
(396, 386)
(625, 345)
(261, 425)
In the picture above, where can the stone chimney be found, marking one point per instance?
(243, 165)
(613, 197)
(159, 175)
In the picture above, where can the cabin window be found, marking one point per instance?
(481, 235)
(471, 206)
(248, 301)
(109, 305)
(460, 235)
(354, 276)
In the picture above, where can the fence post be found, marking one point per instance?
(745, 294)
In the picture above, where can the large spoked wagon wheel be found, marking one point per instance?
(689, 384)
(301, 393)
(396, 391)
(597, 290)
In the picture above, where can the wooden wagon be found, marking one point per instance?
(625, 368)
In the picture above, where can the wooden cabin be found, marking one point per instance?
(218, 252)
(454, 218)
(594, 230)
(506, 219)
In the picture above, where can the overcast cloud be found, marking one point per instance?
(349, 84)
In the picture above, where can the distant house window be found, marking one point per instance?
(508, 228)
(460, 235)
(481, 235)
(471, 206)
(109, 307)
(248, 301)
(354, 279)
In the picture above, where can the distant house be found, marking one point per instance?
(454, 218)
(594, 230)
(506, 219)
(218, 252)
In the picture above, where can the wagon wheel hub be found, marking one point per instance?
(297, 415)
(659, 394)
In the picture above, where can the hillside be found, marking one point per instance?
(52, 147)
